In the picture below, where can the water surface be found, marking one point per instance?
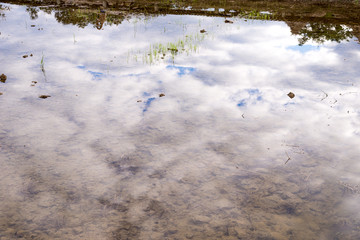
(224, 153)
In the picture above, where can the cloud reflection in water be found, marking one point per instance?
(205, 161)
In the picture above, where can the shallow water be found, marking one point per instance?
(224, 154)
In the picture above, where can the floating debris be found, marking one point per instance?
(3, 78)
(161, 95)
(228, 21)
(202, 31)
(25, 56)
(1, 93)
(32, 25)
(44, 96)
(291, 95)
(139, 100)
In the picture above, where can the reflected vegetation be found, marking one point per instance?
(179, 120)
(3, 9)
(318, 21)
(33, 12)
(158, 51)
(322, 32)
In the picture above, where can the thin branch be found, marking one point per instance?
(326, 95)
(288, 158)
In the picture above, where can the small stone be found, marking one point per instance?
(1, 93)
(189, 236)
(202, 31)
(32, 25)
(291, 95)
(77, 230)
(228, 21)
(161, 95)
(200, 220)
(31, 55)
(139, 101)
(3, 78)
(25, 56)
(170, 232)
(44, 96)
(45, 202)
(34, 82)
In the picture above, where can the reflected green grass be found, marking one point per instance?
(258, 15)
(163, 51)
(42, 66)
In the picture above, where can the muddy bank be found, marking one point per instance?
(327, 11)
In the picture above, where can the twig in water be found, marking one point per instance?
(326, 95)
(288, 158)
(342, 94)
(307, 178)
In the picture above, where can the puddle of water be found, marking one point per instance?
(154, 130)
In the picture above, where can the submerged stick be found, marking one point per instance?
(288, 158)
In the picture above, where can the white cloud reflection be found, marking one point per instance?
(225, 123)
